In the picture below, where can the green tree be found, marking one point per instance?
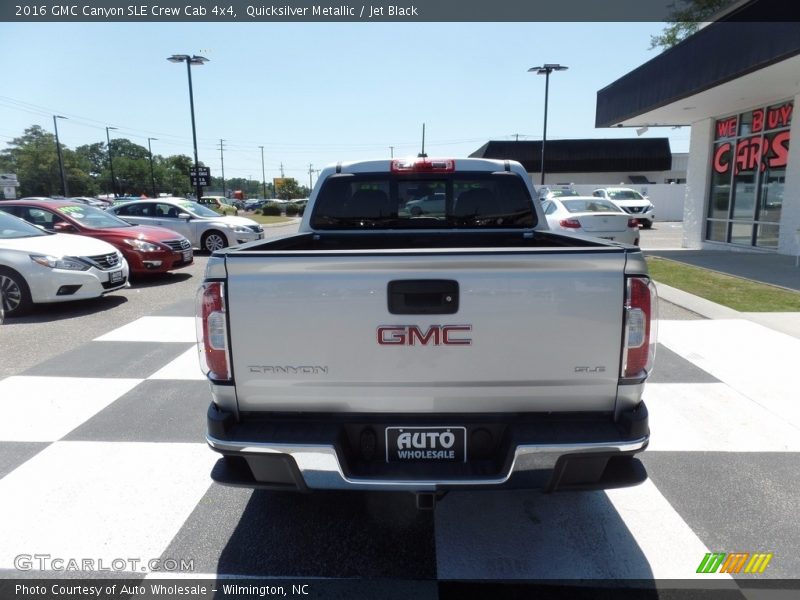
(33, 157)
(288, 189)
(685, 19)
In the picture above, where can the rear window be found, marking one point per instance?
(576, 206)
(458, 200)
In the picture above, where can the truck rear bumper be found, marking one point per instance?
(549, 452)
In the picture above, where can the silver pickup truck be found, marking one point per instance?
(424, 331)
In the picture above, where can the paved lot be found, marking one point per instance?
(101, 456)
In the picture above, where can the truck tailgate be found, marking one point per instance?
(545, 329)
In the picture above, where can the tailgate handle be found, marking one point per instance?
(423, 297)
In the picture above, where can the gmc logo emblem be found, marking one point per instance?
(435, 335)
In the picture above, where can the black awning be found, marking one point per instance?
(584, 156)
(762, 33)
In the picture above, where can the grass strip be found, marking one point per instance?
(739, 294)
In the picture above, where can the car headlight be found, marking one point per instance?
(242, 229)
(64, 262)
(143, 246)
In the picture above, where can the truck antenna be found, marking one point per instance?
(422, 154)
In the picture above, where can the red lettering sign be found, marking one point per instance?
(780, 116)
(722, 159)
(758, 120)
(779, 150)
(726, 128)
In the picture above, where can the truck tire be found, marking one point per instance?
(213, 240)
(16, 294)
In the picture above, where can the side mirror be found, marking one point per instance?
(64, 227)
(185, 216)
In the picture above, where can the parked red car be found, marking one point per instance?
(147, 249)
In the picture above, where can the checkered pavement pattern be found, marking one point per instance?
(102, 455)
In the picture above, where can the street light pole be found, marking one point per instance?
(152, 176)
(263, 175)
(60, 157)
(111, 164)
(191, 60)
(545, 70)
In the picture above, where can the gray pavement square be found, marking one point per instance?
(13, 454)
(135, 360)
(153, 411)
(671, 367)
(736, 501)
(235, 531)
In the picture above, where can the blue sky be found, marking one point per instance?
(315, 92)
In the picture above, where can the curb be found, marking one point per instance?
(701, 306)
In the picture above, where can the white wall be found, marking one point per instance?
(698, 182)
(668, 198)
(790, 213)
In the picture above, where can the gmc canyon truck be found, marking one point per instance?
(425, 331)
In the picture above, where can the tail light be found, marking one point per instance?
(424, 165)
(212, 331)
(639, 350)
(570, 223)
(633, 222)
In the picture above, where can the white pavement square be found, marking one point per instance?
(185, 367)
(153, 329)
(713, 417)
(45, 409)
(754, 360)
(102, 500)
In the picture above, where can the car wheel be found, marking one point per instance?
(214, 240)
(416, 211)
(647, 224)
(16, 294)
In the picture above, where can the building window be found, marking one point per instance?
(748, 172)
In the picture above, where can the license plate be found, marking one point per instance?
(426, 444)
(115, 277)
(187, 255)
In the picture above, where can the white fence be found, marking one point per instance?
(668, 198)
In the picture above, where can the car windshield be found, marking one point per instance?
(593, 205)
(454, 200)
(92, 217)
(625, 195)
(561, 193)
(11, 228)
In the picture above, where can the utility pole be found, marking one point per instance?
(222, 163)
(60, 158)
(263, 176)
(152, 176)
(111, 164)
(391, 151)
(310, 182)
(281, 170)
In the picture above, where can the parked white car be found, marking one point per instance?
(631, 201)
(204, 228)
(37, 266)
(589, 216)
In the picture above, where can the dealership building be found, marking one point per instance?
(736, 82)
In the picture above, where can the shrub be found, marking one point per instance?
(292, 210)
(271, 210)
